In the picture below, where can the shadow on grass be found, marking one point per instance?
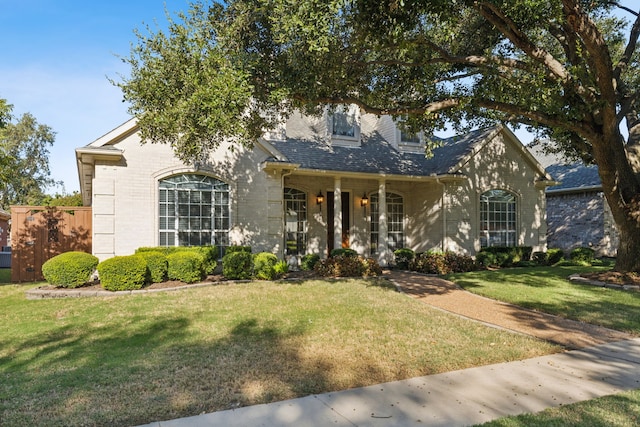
(115, 374)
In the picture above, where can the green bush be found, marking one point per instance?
(434, 262)
(236, 248)
(156, 265)
(186, 266)
(505, 256)
(209, 253)
(403, 257)
(347, 266)
(123, 273)
(281, 268)
(343, 252)
(237, 265)
(264, 265)
(582, 256)
(458, 263)
(555, 255)
(70, 269)
(309, 261)
(540, 258)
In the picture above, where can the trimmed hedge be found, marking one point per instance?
(186, 266)
(237, 265)
(343, 251)
(309, 261)
(348, 266)
(264, 265)
(583, 256)
(123, 273)
(156, 266)
(403, 257)
(209, 253)
(503, 256)
(69, 269)
(434, 262)
(237, 248)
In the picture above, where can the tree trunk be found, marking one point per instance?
(621, 188)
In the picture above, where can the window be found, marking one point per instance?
(194, 211)
(344, 122)
(497, 218)
(405, 136)
(395, 221)
(295, 217)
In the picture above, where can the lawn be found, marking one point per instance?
(137, 359)
(547, 289)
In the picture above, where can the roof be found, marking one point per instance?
(572, 176)
(575, 176)
(5, 215)
(377, 156)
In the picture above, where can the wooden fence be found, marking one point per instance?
(39, 233)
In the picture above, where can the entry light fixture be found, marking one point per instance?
(320, 199)
(364, 202)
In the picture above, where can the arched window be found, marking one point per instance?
(295, 218)
(395, 221)
(498, 218)
(194, 211)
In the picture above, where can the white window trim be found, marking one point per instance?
(345, 140)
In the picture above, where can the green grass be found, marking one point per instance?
(137, 359)
(5, 275)
(547, 289)
(620, 410)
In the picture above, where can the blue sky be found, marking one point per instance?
(55, 59)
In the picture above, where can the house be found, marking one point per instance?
(343, 179)
(578, 214)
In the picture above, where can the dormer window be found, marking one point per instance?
(407, 140)
(344, 123)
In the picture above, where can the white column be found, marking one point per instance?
(337, 214)
(383, 244)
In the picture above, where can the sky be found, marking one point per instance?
(56, 60)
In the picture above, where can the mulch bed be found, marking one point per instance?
(614, 277)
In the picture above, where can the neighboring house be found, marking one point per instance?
(577, 212)
(5, 217)
(317, 183)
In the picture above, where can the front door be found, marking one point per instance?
(346, 225)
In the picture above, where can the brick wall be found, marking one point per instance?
(581, 220)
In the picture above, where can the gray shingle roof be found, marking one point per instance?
(573, 176)
(378, 156)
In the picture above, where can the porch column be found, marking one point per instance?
(337, 214)
(383, 243)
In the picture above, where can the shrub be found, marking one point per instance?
(281, 268)
(237, 265)
(236, 248)
(583, 256)
(430, 262)
(343, 251)
(458, 263)
(70, 269)
(540, 258)
(347, 266)
(264, 265)
(555, 256)
(156, 266)
(210, 253)
(123, 273)
(309, 261)
(403, 257)
(186, 266)
(505, 256)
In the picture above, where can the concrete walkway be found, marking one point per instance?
(465, 397)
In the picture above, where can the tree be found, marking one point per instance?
(567, 69)
(24, 158)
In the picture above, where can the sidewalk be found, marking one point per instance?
(606, 362)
